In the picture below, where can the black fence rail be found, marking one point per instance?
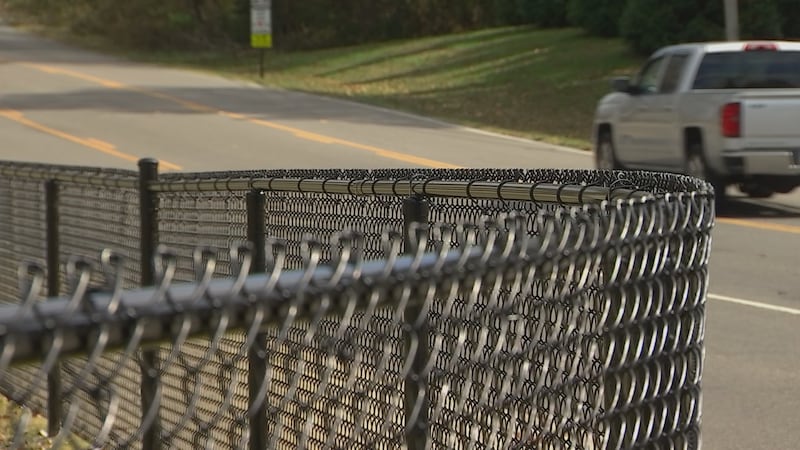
(570, 314)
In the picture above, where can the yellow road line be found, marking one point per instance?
(231, 115)
(316, 137)
(94, 144)
(60, 71)
(192, 106)
(297, 132)
(399, 156)
(760, 225)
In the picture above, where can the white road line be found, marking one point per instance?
(438, 122)
(753, 304)
(545, 145)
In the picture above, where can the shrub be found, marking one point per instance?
(649, 24)
(761, 19)
(598, 17)
(789, 18)
(547, 13)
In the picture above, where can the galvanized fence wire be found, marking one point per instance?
(592, 340)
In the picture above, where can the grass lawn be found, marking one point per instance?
(35, 434)
(523, 81)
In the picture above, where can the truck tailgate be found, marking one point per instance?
(772, 115)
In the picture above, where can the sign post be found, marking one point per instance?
(731, 20)
(261, 28)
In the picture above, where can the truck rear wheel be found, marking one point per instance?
(754, 190)
(696, 166)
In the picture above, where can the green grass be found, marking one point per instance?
(523, 81)
(35, 434)
(541, 84)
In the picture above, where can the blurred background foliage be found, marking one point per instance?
(311, 24)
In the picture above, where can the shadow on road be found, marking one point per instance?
(743, 207)
(264, 104)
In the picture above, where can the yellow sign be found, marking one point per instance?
(261, 40)
(261, 23)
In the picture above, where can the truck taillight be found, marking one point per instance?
(732, 120)
(760, 46)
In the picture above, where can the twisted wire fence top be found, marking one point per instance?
(529, 309)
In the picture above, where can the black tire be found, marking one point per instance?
(757, 191)
(605, 157)
(695, 166)
(761, 194)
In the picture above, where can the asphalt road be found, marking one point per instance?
(62, 105)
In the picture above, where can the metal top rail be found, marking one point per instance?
(539, 192)
(571, 187)
(36, 328)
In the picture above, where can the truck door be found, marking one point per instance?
(635, 134)
(664, 132)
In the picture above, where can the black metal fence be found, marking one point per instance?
(569, 315)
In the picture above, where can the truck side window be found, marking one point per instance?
(672, 74)
(650, 76)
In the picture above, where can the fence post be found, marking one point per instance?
(257, 354)
(416, 209)
(148, 239)
(54, 393)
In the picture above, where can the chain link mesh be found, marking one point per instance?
(22, 231)
(588, 335)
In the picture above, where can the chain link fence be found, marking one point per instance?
(353, 308)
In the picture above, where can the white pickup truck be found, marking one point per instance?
(726, 112)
